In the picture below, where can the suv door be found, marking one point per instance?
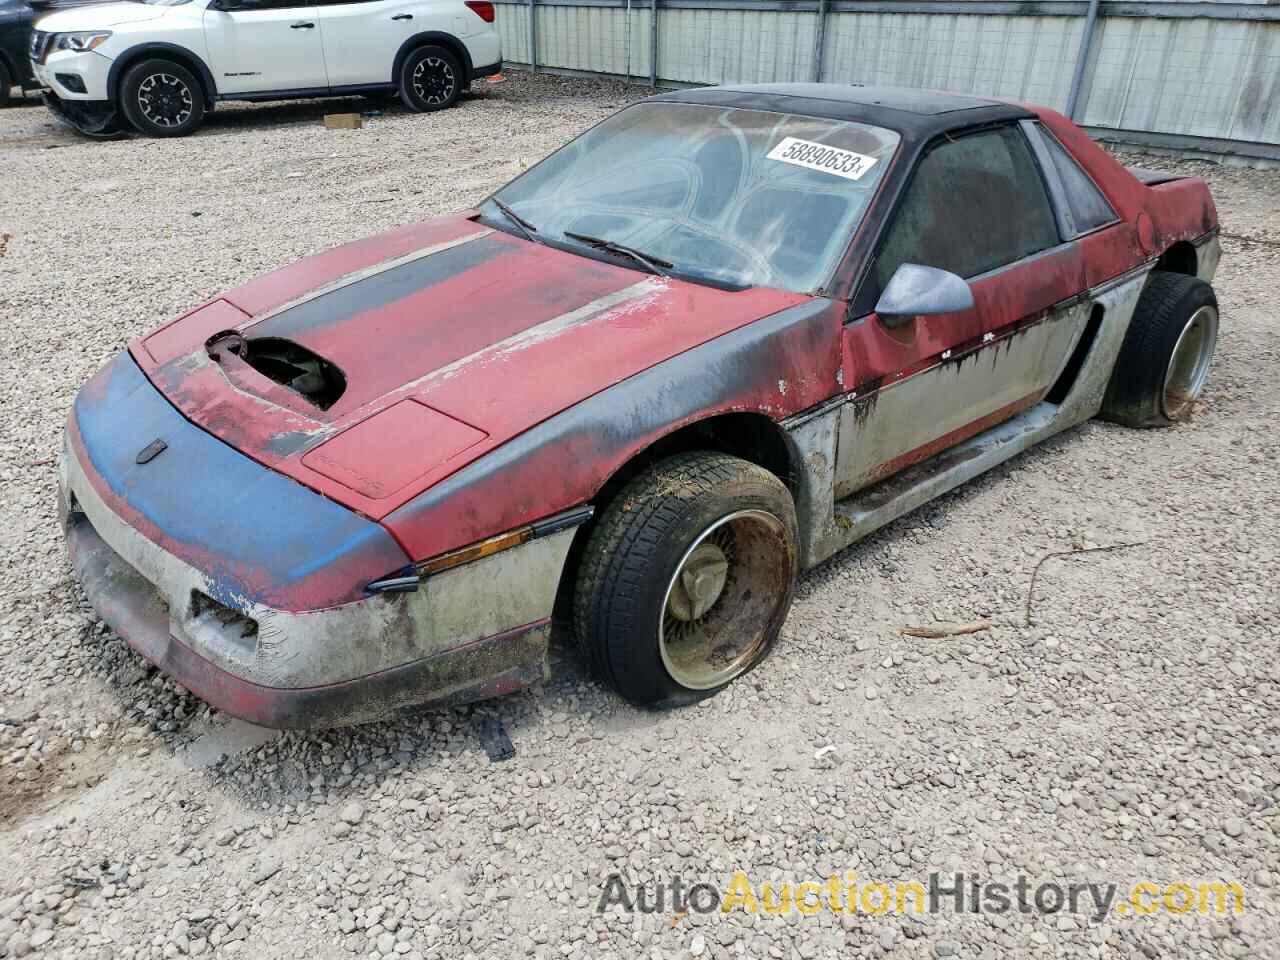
(975, 205)
(362, 37)
(265, 46)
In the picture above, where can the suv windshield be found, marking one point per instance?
(736, 197)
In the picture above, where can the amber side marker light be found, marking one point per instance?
(407, 579)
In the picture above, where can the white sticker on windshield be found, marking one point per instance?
(819, 156)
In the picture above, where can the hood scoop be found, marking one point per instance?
(284, 361)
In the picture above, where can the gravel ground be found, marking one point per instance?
(1131, 734)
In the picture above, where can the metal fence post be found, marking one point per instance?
(533, 37)
(653, 43)
(819, 40)
(1082, 59)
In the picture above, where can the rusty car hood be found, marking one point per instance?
(450, 338)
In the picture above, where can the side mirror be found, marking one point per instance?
(916, 291)
(227, 5)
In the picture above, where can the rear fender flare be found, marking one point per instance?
(440, 39)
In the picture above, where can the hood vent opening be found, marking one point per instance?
(289, 364)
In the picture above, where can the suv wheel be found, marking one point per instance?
(431, 79)
(162, 99)
(6, 82)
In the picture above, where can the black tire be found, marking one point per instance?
(1147, 389)
(6, 84)
(431, 79)
(161, 98)
(634, 585)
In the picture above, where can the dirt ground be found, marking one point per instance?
(1132, 734)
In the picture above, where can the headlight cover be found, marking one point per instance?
(80, 42)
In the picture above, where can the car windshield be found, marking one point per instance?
(730, 196)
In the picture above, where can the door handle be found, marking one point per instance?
(301, 25)
(403, 16)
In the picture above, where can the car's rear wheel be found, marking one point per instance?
(161, 98)
(6, 84)
(1164, 362)
(430, 79)
(687, 578)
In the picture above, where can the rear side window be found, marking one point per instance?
(973, 205)
(1089, 208)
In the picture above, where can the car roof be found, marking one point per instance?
(916, 114)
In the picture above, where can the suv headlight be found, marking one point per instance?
(79, 42)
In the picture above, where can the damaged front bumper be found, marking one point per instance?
(93, 118)
(270, 625)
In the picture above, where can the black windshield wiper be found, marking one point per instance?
(654, 264)
(527, 228)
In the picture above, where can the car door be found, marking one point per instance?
(264, 46)
(976, 205)
(362, 37)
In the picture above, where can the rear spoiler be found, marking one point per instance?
(1153, 177)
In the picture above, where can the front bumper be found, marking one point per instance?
(243, 586)
(130, 605)
(93, 118)
(74, 76)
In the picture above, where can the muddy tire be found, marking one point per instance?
(161, 98)
(430, 79)
(687, 578)
(1164, 361)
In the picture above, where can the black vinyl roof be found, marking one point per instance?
(916, 114)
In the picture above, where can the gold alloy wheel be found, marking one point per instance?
(722, 598)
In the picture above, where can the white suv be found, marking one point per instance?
(159, 65)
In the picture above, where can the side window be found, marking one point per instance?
(973, 204)
(1089, 208)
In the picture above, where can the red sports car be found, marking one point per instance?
(710, 342)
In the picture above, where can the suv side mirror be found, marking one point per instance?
(226, 5)
(916, 291)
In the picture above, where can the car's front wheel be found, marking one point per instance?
(687, 578)
(161, 98)
(430, 79)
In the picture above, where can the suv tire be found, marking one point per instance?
(430, 79)
(161, 98)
